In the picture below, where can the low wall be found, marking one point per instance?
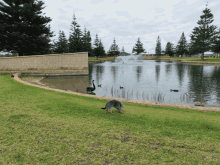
(70, 62)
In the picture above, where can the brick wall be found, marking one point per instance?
(74, 61)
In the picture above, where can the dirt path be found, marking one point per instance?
(36, 82)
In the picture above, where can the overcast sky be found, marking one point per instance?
(126, 20)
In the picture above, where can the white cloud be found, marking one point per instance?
(127, 20)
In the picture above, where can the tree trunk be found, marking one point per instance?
(20, 53)
(202, 57)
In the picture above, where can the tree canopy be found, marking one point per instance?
(181, 47)
(75, 38)
(138, 48)
(22, 28)
(205, 35)
(169, 49)
(114, 49)
(158, 47)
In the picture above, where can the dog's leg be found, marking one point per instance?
(120, 111)
(111, 111)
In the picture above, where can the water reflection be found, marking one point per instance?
(149, 80)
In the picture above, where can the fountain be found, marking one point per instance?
(127, 59)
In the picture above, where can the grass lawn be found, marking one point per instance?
(207, 59)
(39, 126)
(101, 59)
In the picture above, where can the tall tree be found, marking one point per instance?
(192, 49)
(62, 44)
(138, 47)
(75, 38)
(181, 47)
(22, 28)
(123, 49)
(204, 36)
(169, 49)
(84, 40)
(96, 46)
(216, 45)
(101, 49)
(19, 24)
(158, 47)
(133, 51)
(114, 49)
(89, 44)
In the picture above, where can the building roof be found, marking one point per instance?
(208, 52)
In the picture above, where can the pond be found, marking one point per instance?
(148, 80)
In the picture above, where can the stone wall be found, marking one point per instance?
(51, 63)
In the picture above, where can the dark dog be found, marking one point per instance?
(114, 103)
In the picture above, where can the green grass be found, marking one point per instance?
(39, 126)
(101, 59)
(207, 59)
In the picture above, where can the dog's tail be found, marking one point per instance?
(103, 108)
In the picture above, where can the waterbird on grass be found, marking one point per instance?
(12, 75)
(174, 90)
(91, 88)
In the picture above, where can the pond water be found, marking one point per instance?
(148, 80)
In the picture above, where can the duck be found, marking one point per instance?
(121, 87)
(198, 103)
(100, 85)
(91, 88)
(174, 90)
(12, 75)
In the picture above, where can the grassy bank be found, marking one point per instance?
(206, 59)
(38, 126)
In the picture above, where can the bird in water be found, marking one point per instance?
(91, 88)
(121, 87)
(174, 90)
(100, 85)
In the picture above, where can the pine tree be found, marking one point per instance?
(192, 49)
(22, 29)
(96, 46)
(181, 48)
(114, 50)
(85, 41)
(123, 49)
(89, 44)
(101, 49)
(133, 51)
(62, 44)
(204, 36)
(158, 47)
(138, 47)
(75, 38)
(216, 45)
(169, 49)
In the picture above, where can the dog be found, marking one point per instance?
(114, 103)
